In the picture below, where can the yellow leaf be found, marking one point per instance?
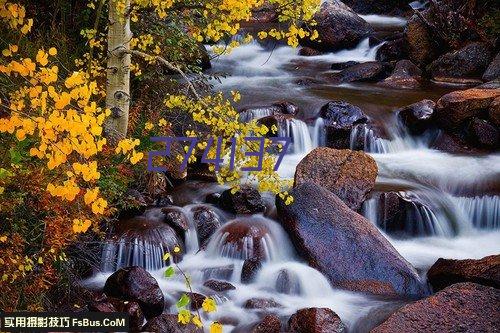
(215, 327)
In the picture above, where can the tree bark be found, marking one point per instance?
(118, 71)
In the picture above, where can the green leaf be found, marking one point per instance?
(183, 301)
(4, 173)
(169, 272)
(15, 156)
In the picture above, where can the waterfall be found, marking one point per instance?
(318, 133)
(299, 132)
(482, 211)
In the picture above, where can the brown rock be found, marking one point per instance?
(338, 27)
(316, 320)
(454, 108)
(422, 47)
(247, 200)
(261, 303)
(494, 112)
(371, 71)
(349, 174)
(345, 246)
(469, 61)
(405, 76)
(309, 52)
(206, 222)
(463, 307)
(176, 218)
(446, 272)
(243, 231)
(268, 324)
(136, 284)
(250, 269)
(483, 134)
(417, 116)
(219, 285)
(493, 70)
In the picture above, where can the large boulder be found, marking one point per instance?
(467, 62)
(463, 307)
(422, 47)
(371, 71)
(338, 27)
(136, 284)
(446, 272)
(417, 116)
(246, 200)
(168, 323)
(454, 108)
(493, 70)
(406, 75)
(340, 118)
(110, 304)
(349, 174)
(343, 245)
(316, 320)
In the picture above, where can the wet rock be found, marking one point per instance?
(250, 269)
(481, 133)
(493, 70)
(206, 222)
(345, 246)
(307, 81)
(109, 304)
(136, 284)
(287, 283)
(286, 107)
(261, 303)
(134, 204)
(219, 286)
(495, 84)
(371, 71)
(277, 108)
(446, 272)
(393, 50)
(247, 200)
(469, 61)
(316, 320)
(196, 300)
(274, 121)
(453, 144)
(148, 228)
(309, 52)
(343, 65)
(422, 47)
(454, 108)
(464, 307)
(338, 27)
(405, 76)
(417, 116)
(169, 323)
(494, 112)
(245, 238)
(268, 324)
(200, 171)
(340, 118)
(349, 174)
(176, 218)
(133, 309)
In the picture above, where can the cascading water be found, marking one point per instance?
(447, 212)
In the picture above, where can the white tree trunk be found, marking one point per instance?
(118, 71)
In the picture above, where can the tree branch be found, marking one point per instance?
(171, 67)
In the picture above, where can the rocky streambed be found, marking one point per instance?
(394, 168)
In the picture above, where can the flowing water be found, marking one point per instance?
(449, 213)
